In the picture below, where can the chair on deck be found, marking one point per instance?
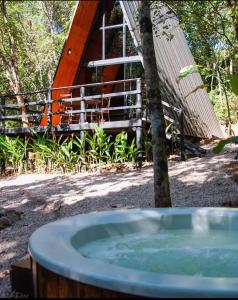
(98, 115)
(67, 106)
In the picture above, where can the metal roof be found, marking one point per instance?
(172, 55)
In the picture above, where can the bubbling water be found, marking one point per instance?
(182, 251)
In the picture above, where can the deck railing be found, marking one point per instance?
(36, 109)
(84, 99)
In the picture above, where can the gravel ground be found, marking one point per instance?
(46, 197)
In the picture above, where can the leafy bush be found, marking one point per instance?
(232, 139)
(220, 106)
(99, 146)
(13, 153)
(49, 153)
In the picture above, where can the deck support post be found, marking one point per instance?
(103, 36)
(138, 117)
(83, 110)
(49, 109)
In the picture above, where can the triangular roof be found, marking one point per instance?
(171, 55)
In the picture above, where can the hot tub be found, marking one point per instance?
(167, 252)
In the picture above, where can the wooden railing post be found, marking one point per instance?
(82, 109)
(138, 99)
(49, 109)
(139, 117)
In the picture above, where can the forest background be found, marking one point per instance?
(32, 34)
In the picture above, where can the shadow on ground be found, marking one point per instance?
(45, 198)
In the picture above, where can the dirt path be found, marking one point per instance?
(46, 197)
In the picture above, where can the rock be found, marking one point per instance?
(8, 217)
(13, 215)
(2, 212)
(4, 222)
(113, 205)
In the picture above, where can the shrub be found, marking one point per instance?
(48, 153)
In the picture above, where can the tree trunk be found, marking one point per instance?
(12, 71)
(161, 178)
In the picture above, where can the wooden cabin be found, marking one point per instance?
(99, 78)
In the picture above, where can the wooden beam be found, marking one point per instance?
(74, 127)
(107, 82)
(114, 61)
(102, 109)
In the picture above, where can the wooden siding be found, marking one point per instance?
(173, 55)
(51, 285)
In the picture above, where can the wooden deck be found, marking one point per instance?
(86, 111)
(132, 123)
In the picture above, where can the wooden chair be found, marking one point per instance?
(98, 116)
(66, 118)
(105, 103)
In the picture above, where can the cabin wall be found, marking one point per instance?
(173, 55)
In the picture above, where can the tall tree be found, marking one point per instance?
(161, 178)
(8, 55)
(31, 41)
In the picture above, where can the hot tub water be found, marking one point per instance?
(212, 253)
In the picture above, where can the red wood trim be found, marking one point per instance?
(73, 52)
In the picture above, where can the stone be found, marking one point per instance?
(8, 217)
(2, 212)
(4, 222)
(13, 215)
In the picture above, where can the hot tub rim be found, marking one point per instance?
(135, 287)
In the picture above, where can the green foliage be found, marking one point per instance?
(211, 29)
(49, 153)
(223, 143)
(99, 146)
(220, 106)
(218, 95)
(188, 70)
(133, 152)
(14, 153)
(233, 139)
(79, 145)
(234, 83)
(120, 153)
(38, 30)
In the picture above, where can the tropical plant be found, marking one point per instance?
(99, 146)
(44, 149)
(14, 153)
(133, 153)
(48, 153)
(80, 144)
(120, 148)
(66, 158)
(223, 143)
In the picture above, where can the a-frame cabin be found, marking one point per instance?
(99, 78)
